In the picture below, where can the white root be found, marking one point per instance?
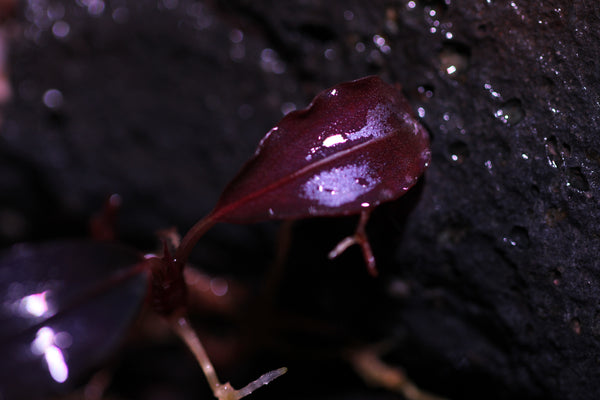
(222, 391)
(374, 371)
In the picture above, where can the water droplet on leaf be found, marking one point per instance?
(361, 146)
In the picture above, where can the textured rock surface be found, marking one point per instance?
(490, 275)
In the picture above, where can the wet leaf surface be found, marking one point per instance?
(64, 307)
(356, 145)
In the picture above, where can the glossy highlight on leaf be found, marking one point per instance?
(356, 145)
(64, 306)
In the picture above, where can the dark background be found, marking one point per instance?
(489, 284)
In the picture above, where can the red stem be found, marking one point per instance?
(192, 236)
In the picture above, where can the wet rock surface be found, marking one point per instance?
(489, 271)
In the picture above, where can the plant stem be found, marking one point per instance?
(360, 238)
(192, 236)
(222, 391)
(183, 329)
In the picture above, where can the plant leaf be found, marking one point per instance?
(356, 145)
(64, 307)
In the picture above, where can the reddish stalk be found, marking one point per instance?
(181, 325)
(192, 236)
(360, 238)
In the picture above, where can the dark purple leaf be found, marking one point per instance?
(356, 145)
(64, 306)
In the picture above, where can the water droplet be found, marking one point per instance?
(511, 112)
(454, 59)
(518, 237)
(95, 7)
(348, 15)
(553, 155)
(237, 52)
(459, 151)
(198, 11)
(426, 92)
(488, 164)
(381, 43)
(494, 93)
(219, 286)
(236, 36)
(329, 54)
(577, 180)
(555, 276)
(60, 29)
(270, 62)
(53, 98)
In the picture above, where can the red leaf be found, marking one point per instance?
(356, 145)
(86, 292)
